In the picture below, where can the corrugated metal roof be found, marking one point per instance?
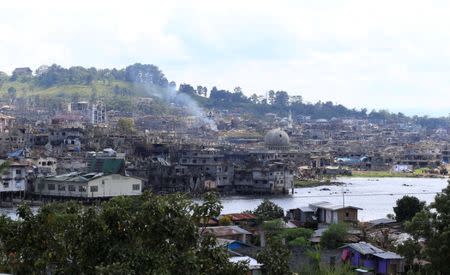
(330, 206)
(241, 216)
(75, 177)
(226, 230)
(389, 255)
(364, 248)
(369, 249)
(382, 221)
(306, 209)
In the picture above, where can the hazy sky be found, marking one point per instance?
(379, 54)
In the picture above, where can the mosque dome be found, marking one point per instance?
(277, 139)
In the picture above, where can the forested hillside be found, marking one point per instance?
(55, 84)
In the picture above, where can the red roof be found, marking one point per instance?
(241, 216)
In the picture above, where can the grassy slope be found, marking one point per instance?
(103, 90)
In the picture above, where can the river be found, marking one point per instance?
(376, 197)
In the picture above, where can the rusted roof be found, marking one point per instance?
(241, 216)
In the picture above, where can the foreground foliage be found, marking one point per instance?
(267, 211)
(149, 234)
(407, 207)
(275, 258)
(334, 236)
(433, 225)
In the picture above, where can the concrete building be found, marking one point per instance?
(98, 113)
(91, 185)
(14, 178)
(45, 166)
(6, 123)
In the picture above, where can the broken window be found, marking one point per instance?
(136, 187)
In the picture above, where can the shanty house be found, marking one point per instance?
(231, 232)
(329, 213)
(303, 216)
(372, 258)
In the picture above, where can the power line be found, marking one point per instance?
(367, 195)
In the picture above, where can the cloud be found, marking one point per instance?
(383, 54)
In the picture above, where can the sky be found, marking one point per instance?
(391, 55)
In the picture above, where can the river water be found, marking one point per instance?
(377, 197)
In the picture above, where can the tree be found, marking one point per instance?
(254, 98)
(296, 236)
(126, 235)
(433, 225)
(410, 249)
(268, 210)
(407, 207)
(334, 236)
(186, 89)
(145, 74)
(199, 90)
(281, 99)
(225, 220)
(296, 99)
(275, 258)
(271, 97)
(5, 165)
(3, 78)
(12, 93)
(125, 125)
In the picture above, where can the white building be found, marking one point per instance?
(98, 113)
(45, 166)
(6, 123)
(91, 185)
(14, 178)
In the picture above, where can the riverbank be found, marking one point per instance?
(303, 183)
(390, 174)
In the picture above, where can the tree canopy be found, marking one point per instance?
(138, 77)
(334, 236)
(275, 258)
(268, 210)
(407, 207)
(433, 225)
(148, 234)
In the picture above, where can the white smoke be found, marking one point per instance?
(170, 95)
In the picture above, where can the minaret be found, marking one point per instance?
(290, 123)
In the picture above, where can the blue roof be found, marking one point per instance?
(17, 154)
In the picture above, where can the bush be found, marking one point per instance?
(334, 236)
(225, 220)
